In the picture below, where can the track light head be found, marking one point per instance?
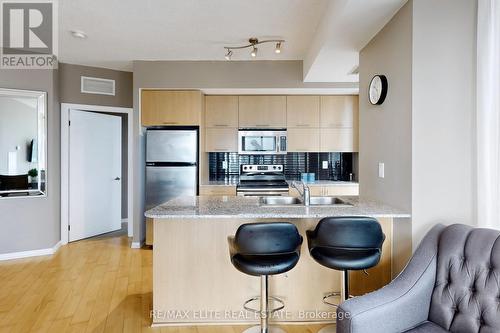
(254, 52)
(277, 50)
(229, 54)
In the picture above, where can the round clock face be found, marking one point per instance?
(378, 89)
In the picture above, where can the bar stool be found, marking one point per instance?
(344, 244)
(264, 249)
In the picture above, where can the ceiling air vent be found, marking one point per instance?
(94, 85)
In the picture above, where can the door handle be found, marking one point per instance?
(117, 178)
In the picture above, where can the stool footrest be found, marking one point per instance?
(330, 295)
(276, 299)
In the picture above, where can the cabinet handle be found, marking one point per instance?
(221, 149)
(262, 125)
(302, 125)
(220, 125)
(170, 122)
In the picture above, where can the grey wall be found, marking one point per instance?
(386, 130)
(424, 131)
(201, 75)
(444, 62)
(385, 133)
(34, 223)
(70, 92)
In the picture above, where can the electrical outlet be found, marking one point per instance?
(224, 165)
(381, 170)
(325, 164)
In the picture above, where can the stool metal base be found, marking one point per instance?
(328, 329)
(258, 329)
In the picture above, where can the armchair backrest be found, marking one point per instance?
(466, 296)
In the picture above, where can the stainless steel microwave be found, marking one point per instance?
(262, 141)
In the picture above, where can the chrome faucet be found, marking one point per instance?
(304, 193)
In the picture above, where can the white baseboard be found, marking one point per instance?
(32, 253)
(136, 245)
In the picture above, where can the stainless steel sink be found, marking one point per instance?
(325, 201)
(294, 201)
(280, 201)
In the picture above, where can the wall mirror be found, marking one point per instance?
(23, 143)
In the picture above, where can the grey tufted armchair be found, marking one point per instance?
(451, 284)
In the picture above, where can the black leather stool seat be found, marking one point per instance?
(346, 259)
(265, 264)
(265, 248)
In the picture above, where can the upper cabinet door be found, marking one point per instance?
(303, 140)
(338, 111)
(221, 140)
(338, 140)
(302, 111)
(262, 111)
(221, 111)
(164, 107)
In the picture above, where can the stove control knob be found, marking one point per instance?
(274, 167)
(244, 168)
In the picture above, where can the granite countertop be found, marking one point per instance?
(250, 207)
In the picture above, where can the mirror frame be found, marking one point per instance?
(41, 97)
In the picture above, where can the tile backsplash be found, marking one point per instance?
(340, 165)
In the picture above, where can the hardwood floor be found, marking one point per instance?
(94, 285)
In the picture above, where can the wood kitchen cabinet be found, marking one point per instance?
(221, 111)
(221, 140)
(262, 111)
(303, 139)
(351, 189)
(168, 107)
(338, 111)
(335, 190)
(302, 111)
(338, 140)
(217, 190)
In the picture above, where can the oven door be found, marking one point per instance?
(258, 142)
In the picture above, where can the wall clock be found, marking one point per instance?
(378, 89)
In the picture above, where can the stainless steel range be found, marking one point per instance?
(262, 180)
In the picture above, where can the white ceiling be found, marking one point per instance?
(120, 31)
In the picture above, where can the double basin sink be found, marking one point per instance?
(294, 201)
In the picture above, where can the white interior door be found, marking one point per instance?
(94, 174)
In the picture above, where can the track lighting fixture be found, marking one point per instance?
(253, 42)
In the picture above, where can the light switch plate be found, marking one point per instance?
(381, 170)
(325, 164)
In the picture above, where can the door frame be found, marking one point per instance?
(65, 108)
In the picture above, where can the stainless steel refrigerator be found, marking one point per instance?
(171, 164)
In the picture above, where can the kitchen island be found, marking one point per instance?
(194, 281)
